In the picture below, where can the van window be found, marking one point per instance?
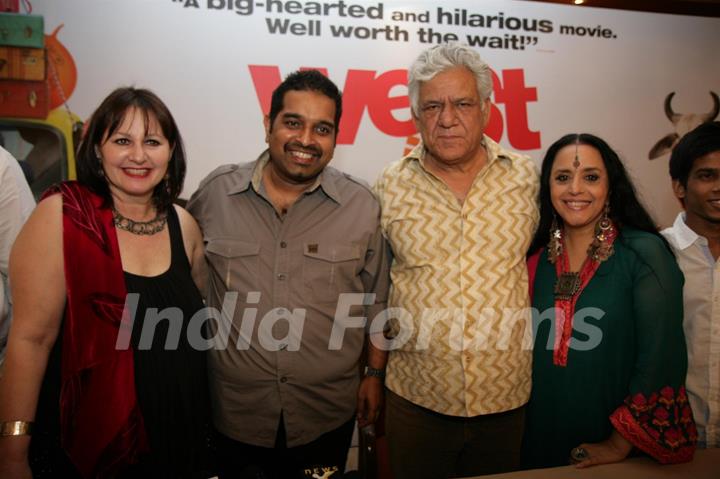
(40, 149)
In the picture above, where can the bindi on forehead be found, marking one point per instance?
(576, 161)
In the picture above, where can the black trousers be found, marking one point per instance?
(424, 444)
(237, 460)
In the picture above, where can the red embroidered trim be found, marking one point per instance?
(564, 322)
(532, 264)
(661, 425)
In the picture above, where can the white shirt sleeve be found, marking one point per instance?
(16, 204)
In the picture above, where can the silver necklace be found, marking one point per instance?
(146, 228)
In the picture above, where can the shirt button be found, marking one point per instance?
(283, 379)
(283, 244)
(281, 277)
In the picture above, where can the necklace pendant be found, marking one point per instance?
(567, 286)
(143, 228)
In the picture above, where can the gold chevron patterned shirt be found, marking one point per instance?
(460, 284)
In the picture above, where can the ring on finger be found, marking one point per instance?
(579, 454)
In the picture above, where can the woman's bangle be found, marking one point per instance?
(16, 428)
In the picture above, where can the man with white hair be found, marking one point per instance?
(459, 212)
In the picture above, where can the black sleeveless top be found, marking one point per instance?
(170, 378)
(170, 375)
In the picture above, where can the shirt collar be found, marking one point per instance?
(493, 149)
(684, 236)
(248, 177)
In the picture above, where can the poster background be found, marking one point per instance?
(196, 58)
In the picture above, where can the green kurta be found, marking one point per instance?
(630, 342)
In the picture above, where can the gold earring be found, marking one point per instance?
(555, 243)
(600, 249)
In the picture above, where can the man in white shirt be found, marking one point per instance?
(695, 237)
(16, 204)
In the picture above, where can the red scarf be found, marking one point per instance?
(101, 426)
(565, 308)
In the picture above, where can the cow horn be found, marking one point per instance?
(672, 116)
(716, 108)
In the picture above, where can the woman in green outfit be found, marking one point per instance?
(609, 361)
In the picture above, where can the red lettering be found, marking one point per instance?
(494, 128)
(355, 99)
(265, 79)
(516, 96)
(381, 104)
(363, 90)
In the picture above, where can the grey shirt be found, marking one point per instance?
(288, 272)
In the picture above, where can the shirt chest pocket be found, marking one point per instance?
(235, 263)
(330, 270)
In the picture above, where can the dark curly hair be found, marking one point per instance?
(625, 208)
(107, 119)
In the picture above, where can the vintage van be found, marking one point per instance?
(45, 148)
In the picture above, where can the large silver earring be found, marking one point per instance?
(555, 243)
(600, 249)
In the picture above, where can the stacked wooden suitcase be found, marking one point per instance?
(24, 88)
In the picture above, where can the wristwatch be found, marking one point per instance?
(374, 372)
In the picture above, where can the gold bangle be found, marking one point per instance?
(16, 428)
